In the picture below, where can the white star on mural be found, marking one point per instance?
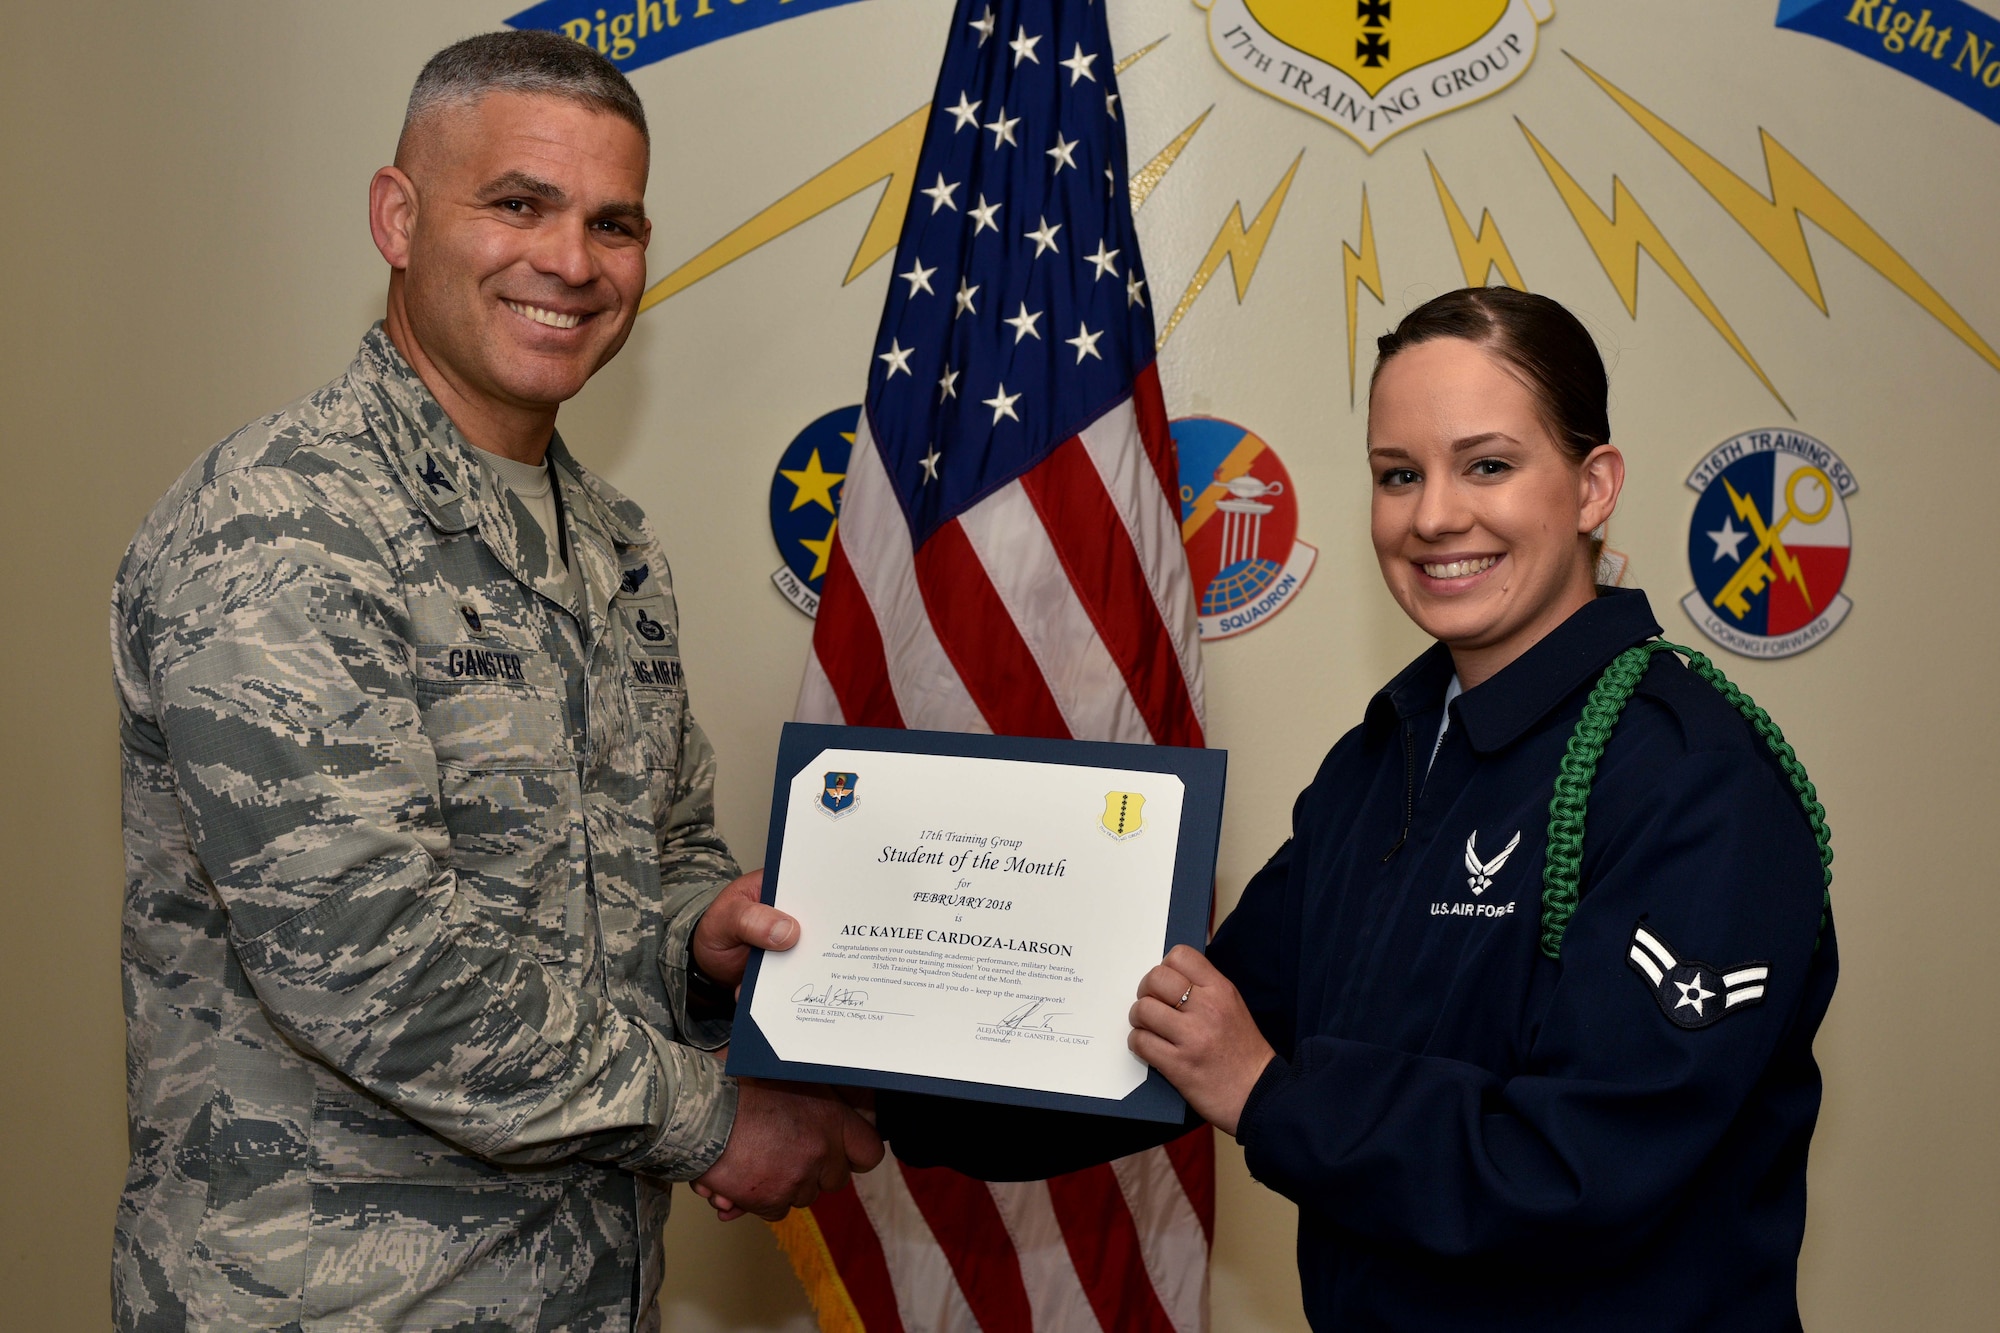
(1727, 539)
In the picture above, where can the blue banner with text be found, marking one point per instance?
(632, 33)
(1945, 43)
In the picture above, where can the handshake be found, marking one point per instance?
(791, 1141)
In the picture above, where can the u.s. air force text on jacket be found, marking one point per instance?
(417, 831)
(1479, 1136)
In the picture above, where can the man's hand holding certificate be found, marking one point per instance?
(974, 913)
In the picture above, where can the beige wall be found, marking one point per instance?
(186, 249)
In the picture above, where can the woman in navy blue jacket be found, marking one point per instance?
(1491, 1113)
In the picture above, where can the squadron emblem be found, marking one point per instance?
(1769, 543)
(836, 797)
(805, 504)
(1240, 524)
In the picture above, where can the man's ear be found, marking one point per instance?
(1599, 481)
(392, 214)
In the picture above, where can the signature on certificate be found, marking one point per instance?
(1033, 1017)
(834, 997)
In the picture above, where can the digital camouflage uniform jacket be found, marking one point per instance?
(415, 846)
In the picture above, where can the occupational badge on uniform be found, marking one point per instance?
(474, 622)
(1240, 524)
(634, 578)
(805, 504)
(1370, 68)
(1481, 878)
(1124, 814)
(1693, 994)
(1769, 543)
(836, 797)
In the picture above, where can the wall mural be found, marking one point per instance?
(1387, 68)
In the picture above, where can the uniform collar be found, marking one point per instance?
(1501, 710)
(437, 466)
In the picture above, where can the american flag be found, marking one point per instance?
(1008, 559)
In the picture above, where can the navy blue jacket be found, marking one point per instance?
(1478, 1136)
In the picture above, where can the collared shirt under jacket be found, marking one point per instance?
(417, 830)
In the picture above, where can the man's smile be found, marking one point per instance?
(555, 319)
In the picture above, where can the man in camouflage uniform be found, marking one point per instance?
(427, 940)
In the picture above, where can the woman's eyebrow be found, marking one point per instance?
(1485, 437)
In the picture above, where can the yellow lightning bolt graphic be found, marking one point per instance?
(1355, 271)
(1618, 238)
(1774, 222)
(1242, 247)
(890, 155)
(1154, 171)
(1479, 253)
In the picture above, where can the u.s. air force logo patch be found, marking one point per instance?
(1372, 67)
(1692, 994)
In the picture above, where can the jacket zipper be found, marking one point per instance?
(1409, 791)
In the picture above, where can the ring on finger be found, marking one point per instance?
(1182, 1002)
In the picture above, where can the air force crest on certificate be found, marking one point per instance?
(836, 797)
(1371, 68)
(1124, 814)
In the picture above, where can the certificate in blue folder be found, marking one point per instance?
(976, 912)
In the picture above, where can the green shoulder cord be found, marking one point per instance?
(1562, 870)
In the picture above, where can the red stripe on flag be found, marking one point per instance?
(979, 636)
(857, 1256)
(967, 1223)
(1103, 1243)
(849, 645)
(1104, 569)
(1193, 1156)
(1151, 409)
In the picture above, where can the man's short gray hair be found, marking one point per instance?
(528, 61)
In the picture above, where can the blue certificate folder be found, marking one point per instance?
(1202, 771)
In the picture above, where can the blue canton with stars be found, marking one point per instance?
(1019, 312)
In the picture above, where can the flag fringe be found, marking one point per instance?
(799, 1237)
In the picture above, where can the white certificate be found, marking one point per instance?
(968, 919)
